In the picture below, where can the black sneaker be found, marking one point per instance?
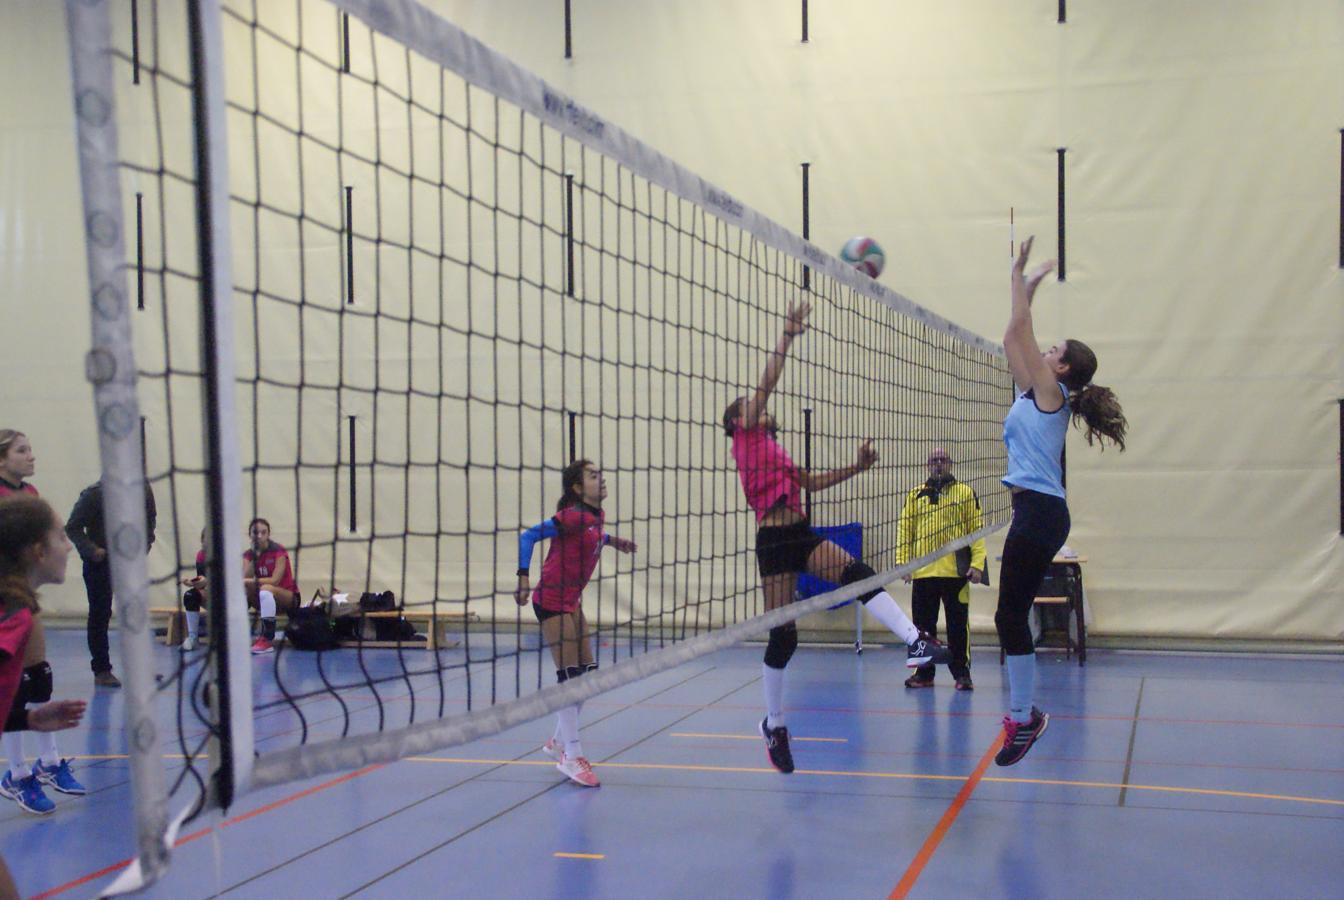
(919, 681)
(964, 683)
(1019, 736)
(925, 650)
(777, 746)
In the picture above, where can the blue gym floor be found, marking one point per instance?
(1161, 775)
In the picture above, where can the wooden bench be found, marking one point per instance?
(422, 619)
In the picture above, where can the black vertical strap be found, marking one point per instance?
(353, 519)
(1341, 466)
(144, 458)
(805, 20)
(1341, 198)
(349, 244)
(807, 216)
(135, 42)
(1059, 153)
(573, 437)
(1063, 11)
(569, 234)
(807, 455)
(569, 44)
(345, 42)
(139, 250)
(1064, 466)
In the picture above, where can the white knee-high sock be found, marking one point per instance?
(18, 763)
(194, 622)
(266, 604)
(772, 680)
(46, 749)
(885, 610)
(567, 720)
(557, 736)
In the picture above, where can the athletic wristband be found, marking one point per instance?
(524, 573)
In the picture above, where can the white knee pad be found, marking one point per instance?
(266, 604)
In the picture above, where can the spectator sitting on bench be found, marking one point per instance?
(193, 600)
(268, 578)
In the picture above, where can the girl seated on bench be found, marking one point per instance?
(268, 577)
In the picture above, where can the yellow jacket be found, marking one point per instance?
(931, 519)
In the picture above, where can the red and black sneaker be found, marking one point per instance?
(777, 746)
(1019, 736)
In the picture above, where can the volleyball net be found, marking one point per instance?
(380, 286)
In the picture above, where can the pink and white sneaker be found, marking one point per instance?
(578, 770)
(262, 645)
(554, 749)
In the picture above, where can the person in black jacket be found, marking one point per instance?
(88, 533)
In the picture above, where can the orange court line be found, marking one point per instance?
(283, 801)
(949, 816)
(579, 855)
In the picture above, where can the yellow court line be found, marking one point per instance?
(753, 737)
(902, 776)
(579, 855)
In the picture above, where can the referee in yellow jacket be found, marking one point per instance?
(941, 510)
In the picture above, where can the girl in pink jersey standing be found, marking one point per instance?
(786, 545)
(577, 538)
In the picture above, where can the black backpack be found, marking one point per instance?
(310, 628)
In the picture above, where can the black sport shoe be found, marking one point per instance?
(925, 650)
(918, 681)
(964, 683)
(1018, 737)
(777, 746)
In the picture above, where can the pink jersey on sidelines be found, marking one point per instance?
(23, 487)
(266, 565)
(571, 558)
(14, 630)
(767, 472)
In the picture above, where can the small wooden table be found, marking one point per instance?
(1063, 585)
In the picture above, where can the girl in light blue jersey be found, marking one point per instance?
(1055, 387)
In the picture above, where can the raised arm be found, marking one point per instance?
(1028, 368)
(795, 325)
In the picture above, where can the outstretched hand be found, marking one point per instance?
(1025, 283)
(623, 545)
(867, 455)
(796, 322)
(56, 716)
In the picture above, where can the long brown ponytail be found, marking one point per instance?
(24, 522)
(571, 476)
(1095, 406)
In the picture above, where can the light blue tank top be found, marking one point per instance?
(1035, 442)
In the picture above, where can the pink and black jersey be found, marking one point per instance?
(266, 565)
(200, 562)
(769, 477)
(571, 558)
(23, 487)
(14, 630)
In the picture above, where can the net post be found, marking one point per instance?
(231, 749)
(807, 218)
(111, 369)
(1059, 153)
(807, 455)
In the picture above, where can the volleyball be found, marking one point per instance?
(865, 255)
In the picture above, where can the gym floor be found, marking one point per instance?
(1161, 775)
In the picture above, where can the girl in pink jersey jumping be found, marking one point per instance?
(578, 537)
(786, 545)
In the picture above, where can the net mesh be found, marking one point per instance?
(442, 295)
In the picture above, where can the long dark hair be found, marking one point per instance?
(569, 478)
(25, 520)
(731, 414)
(1095, 406)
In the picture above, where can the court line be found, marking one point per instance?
(235, 820)
(1133, 733)
(949, 816)
(560, 855)
(753, 737)
(900, 776)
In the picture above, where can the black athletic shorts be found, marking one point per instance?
(785, 548)
(544, 614)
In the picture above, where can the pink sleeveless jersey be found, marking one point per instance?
(767, 472)
(269, 561)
